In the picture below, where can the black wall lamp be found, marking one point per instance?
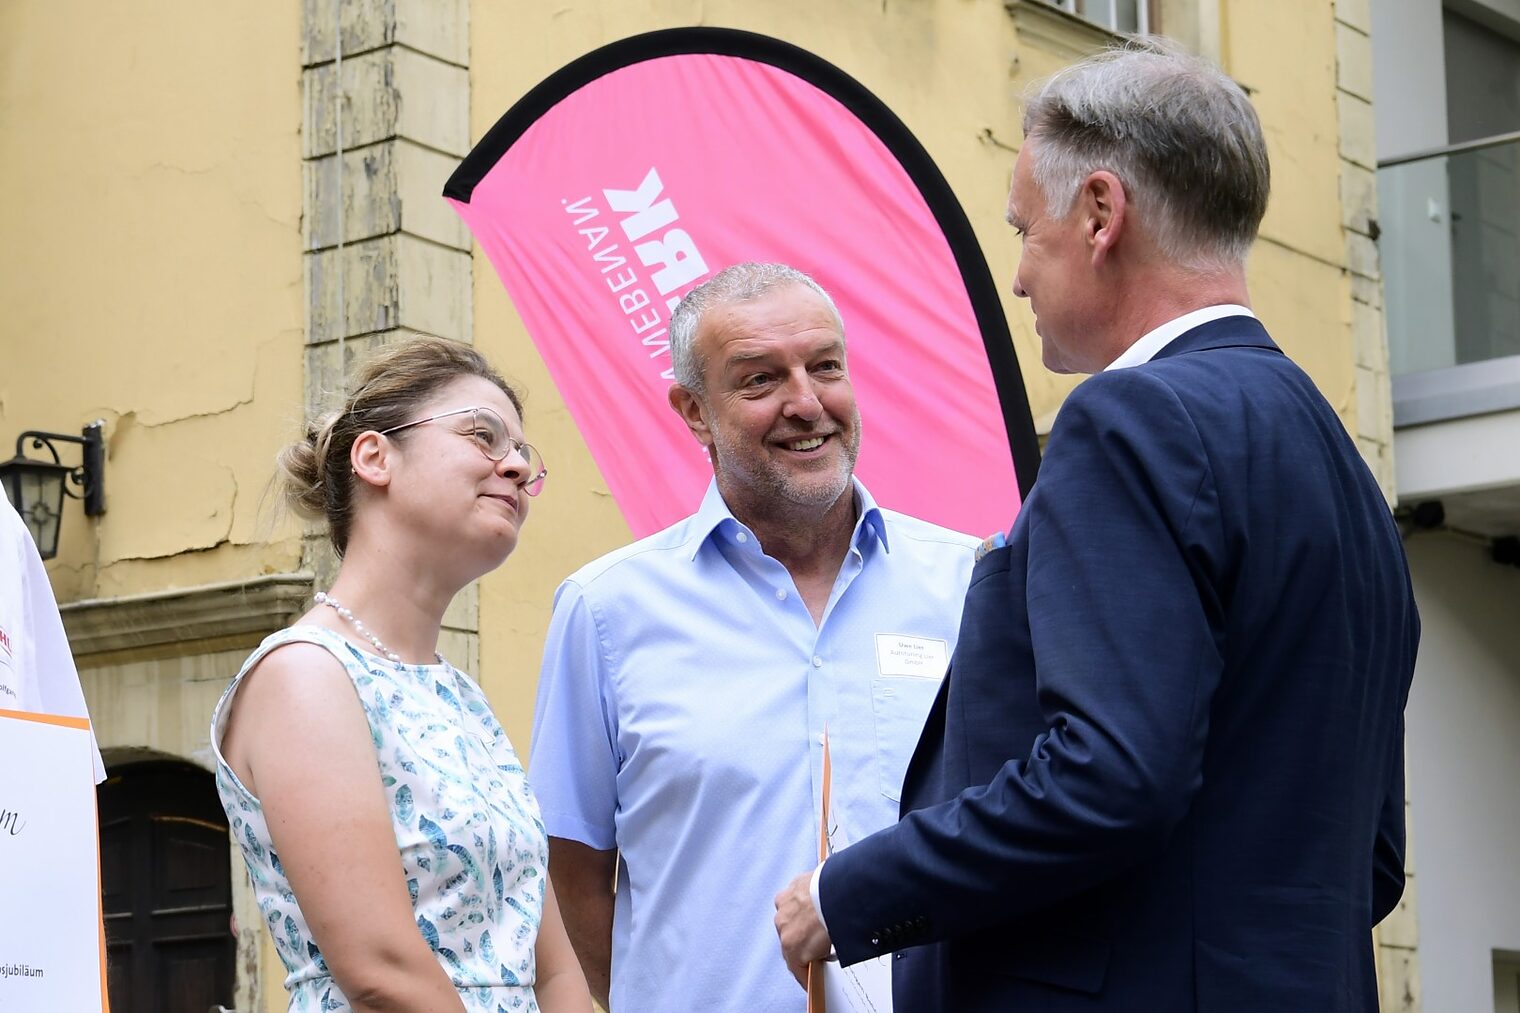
(36, 487)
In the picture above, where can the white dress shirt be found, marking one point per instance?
(1153, 341)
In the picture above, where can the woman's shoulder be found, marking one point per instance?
(300, 654)
(299, 668)
(295, 682)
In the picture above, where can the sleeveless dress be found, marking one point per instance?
(472, 843)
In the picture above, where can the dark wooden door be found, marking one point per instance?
(166, 877)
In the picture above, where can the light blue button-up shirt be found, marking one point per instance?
(684, 693)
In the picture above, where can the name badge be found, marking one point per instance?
(914, 657)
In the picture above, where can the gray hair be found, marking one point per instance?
(736, 284)
(1177, 131)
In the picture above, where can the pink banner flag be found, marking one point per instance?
(639, 171)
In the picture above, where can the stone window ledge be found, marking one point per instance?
(225, 613)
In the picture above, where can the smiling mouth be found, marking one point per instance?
(810, 443)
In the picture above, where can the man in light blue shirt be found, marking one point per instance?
(688, 678)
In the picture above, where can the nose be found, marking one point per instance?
(1018, 282)
(514, 466)
(802, 400)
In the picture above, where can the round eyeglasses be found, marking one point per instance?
(489, 432)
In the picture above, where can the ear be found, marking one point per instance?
(370, 458)
(689, 406)
(1104, 207)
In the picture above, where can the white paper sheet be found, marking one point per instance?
(865, 987)
(50, 929)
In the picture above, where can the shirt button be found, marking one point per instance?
(741, 538)
(817, 661)
(781, 594)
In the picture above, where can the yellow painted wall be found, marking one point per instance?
(151, 185)
(151, 274)
(1284, 54)
(151, 265)
(952, 70)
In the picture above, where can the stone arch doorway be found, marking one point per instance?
(167, 887)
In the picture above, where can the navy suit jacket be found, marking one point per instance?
(1165, 770)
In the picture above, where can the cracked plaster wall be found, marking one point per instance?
(150, 218)
(952, 70)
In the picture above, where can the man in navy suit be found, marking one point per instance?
(1164, 772)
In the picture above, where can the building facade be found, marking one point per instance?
(1447, 90)
(209, 214)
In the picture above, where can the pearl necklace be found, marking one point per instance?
(323, 598)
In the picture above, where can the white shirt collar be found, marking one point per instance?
(1145, 349)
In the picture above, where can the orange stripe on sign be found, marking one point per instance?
(100, 907)
(63, 720)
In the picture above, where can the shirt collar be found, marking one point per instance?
(1154, 341)
(714, 516)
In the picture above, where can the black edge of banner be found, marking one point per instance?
(1007, 378)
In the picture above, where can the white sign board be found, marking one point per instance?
(52, 942)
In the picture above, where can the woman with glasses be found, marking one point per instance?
(396, 852)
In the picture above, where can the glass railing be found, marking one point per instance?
(1450, 249)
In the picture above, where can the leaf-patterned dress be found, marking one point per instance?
(472, 844)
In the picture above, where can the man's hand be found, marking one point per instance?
(803, 937)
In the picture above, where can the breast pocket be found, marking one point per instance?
(901, 703)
